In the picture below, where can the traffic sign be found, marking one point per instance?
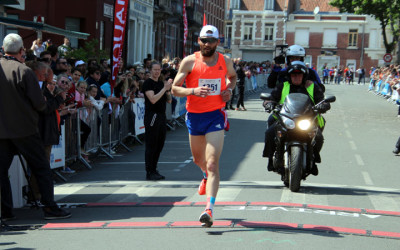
(387, 57)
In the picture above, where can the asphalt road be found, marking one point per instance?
(352, 203)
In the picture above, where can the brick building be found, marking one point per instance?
(255, 27)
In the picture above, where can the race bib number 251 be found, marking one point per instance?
(213, 84)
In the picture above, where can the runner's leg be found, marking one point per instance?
(198, 147)
(215, 142)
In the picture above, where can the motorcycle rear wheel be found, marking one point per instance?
(295, 168)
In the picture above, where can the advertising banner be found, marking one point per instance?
(120, 13)
(138, 109)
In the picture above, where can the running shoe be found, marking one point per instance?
(206, 218)
(202, 187)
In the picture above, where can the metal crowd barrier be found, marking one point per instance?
(108, 129)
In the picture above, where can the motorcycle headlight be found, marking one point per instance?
(304, 124)
(288, 123)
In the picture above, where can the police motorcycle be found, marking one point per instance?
(295, 134)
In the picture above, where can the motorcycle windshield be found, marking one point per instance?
(297, 104)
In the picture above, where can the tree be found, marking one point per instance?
(386, 11)
(89, 50)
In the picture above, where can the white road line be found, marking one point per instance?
(359, 160)
(292, 197)
(139, 162)
(353, 145)
(61, 192)
(348, 134)
(320, 198)
(124, 194)
(367, 178)
(384, 201)
(228, 194)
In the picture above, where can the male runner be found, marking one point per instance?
(210, 78)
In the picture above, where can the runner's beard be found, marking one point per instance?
(208, 53)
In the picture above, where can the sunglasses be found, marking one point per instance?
(64, 82)
(208, 40)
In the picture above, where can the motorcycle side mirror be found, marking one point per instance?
(330, 99)
(265, 96)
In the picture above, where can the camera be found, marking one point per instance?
(281, 58)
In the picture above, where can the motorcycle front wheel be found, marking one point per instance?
(295, 167)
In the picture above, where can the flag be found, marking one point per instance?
(120, 14)
(204, 20)
(185, 27)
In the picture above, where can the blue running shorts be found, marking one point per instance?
(203, 123)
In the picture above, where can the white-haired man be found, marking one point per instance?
(20, 100)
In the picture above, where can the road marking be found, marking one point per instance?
(140, 162)
(61, 192)
(348, 134)
(367, 178)
(384, 202)
(289, 196)
(228, 194)
(359, 160)
(353, 145)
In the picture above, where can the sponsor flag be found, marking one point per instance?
(185, 27)
(120, 14)
(204, 20)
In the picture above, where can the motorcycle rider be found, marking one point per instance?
(298, 82)
(293, 53)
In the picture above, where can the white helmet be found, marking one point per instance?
(295, 50)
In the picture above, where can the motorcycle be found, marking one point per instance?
(295, 134)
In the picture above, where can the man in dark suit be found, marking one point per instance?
(20, 101)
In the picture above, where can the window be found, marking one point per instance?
(73, 24)
(11, 29)
(301, 37)
(269, 32)
(330, 38)
(248, 31)
(235, 4)
(269, 4)
(353, 37)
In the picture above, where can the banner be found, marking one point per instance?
(138, 109)
(120, 13)
(57, 156)
(204, 20)
(185, 27)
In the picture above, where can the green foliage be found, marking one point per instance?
(88, 51)
(386, 11)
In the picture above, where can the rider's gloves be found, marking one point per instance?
(269, 106)
(323, 107)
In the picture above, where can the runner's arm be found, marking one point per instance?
(184, 70)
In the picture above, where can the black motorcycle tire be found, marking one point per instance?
(295, 168)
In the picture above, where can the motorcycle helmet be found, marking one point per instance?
(298, 67)
(295, 50)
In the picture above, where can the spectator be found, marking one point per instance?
(61, 66)
(64, 48)
(157, 93)
(94, 75)
(45, 57)
(80, 97)
(240, 85)
(38, 47)
(361, 75)
(19, 132)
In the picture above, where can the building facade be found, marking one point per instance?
(335, 39)
(91, 16)
(255, 28)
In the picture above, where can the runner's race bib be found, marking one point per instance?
(213, 84)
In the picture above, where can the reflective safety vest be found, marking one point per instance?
(310, 91)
